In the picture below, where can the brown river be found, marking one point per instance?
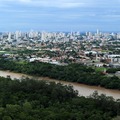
(84, 90)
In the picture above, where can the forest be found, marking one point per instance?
(28, 99)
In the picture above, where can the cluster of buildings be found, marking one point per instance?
(57, 36)
(90, 48)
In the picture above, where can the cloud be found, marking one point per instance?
(53, 3)
(65, 3)
(25, 1)
(62, 3)
(59, 12)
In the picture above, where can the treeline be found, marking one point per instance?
(112, 70)
(39, 100)
(73, 73)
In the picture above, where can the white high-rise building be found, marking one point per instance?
(9, 36)
(17, 35)
(118, 36)
(78, 33)
(31, 34)
(97, 32)
(43, 36)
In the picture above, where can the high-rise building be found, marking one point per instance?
(9, 36)
(17, 35)
(43, 36)
(97, 32)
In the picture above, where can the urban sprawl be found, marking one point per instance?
(99, 49)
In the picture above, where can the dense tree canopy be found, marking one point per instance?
(39, 100)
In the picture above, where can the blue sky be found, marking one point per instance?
(60, 15)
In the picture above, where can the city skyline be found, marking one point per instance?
(60, 15)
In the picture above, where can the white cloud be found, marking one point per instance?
(25, 1)
(53, 3)
(58, 3)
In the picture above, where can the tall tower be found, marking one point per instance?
(9, 36)
(97, 32)
(43, 36)
(17, 35)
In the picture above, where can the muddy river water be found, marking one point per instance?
(84, 90)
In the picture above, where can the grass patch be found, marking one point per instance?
(100, 69)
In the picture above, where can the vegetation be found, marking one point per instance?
(73, 73)
(100, 69)
(39, 100)
(113, 70)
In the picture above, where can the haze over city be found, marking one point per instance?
(59, 15)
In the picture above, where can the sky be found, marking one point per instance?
(60, 15)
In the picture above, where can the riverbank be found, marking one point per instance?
(83, 90)
(78, 73)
